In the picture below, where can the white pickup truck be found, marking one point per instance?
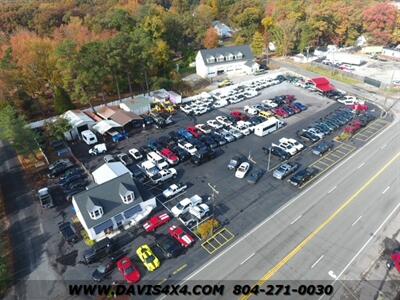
(174, 189)
(164, 175)
(184, 205)
(195, 214)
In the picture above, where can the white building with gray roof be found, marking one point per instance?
(225, 60)
(105, 209)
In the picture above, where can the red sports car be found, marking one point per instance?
(194, 131)
(181, 236)
(239, 116)
(128, 270)
(169, 156)
(280, 112)
(156, 222)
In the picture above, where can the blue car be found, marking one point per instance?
(185, 134)
(299, 105)
(154, 145)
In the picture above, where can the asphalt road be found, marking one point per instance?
(332, 219)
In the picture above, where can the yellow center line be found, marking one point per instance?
(300, 246)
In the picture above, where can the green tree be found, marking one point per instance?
(57, 129)
(62, 101)
(257, 45)
(15, 130)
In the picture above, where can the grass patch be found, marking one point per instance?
(206, 229)
(335, 75)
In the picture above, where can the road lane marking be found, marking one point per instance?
(284, 206)
(366, 244)
(386, 190)
(314, 233)
(332, 189)
(295, 220)
(248, 258)
(358, 219)
(384, 146)
(318, 260)
(361, 165)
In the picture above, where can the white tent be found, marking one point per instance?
(105, 125)
(109, 171)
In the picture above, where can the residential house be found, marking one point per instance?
(225, 60)
(223, 30)
(106, 209)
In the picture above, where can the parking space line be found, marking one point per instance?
(344, 153)
(162, 281)
(336, 156)
(224, 233)
(318, 167)
(371, 130)
(329, 158)
(324, 163)
(179, 269)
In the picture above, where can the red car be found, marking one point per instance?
(353, 127)
(289, 99)
(239, 116)
(181, 236)
(128, 270)
(280, 112)
(194, 131)
(156, 222)
(169, 156)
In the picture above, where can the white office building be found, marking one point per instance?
(225, 60)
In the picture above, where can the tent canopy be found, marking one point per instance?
(103, 126)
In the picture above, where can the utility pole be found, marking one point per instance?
(269, 159)
(213, 195)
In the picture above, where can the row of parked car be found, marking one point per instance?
(70, 177)
(204, 103)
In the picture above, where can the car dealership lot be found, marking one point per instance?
(239, 206)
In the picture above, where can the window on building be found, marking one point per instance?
(239, 55)
(128, 198)
(96, 214)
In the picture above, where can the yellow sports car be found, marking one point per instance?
(150, 261)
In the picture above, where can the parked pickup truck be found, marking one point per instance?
(195, 214)
(164, 175)
(174, 189)
(45, 198)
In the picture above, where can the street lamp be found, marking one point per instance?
(336, 278)
(214, 192)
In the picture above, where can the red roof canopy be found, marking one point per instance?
(322, 84)
(396, 260)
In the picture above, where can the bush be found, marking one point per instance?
(86, 239)
(206, 229)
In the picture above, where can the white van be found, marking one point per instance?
(157, 160)
(98, 149)
(89, 137)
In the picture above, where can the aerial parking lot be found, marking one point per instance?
(239, 197)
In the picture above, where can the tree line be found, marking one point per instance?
(56, 55)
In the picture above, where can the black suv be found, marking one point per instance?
(98, 251)
(59, 168)
(303, 176)
(278, 152)
(203, 155)
(68, 232)
(169, 246)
